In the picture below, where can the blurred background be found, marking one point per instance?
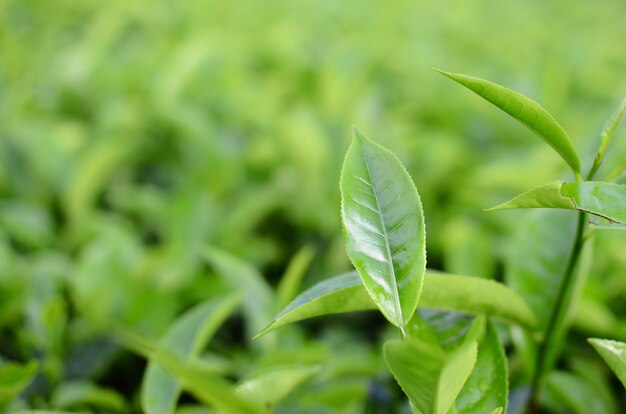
(135, 134)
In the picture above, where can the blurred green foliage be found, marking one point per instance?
(134, 134)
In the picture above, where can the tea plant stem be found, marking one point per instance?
(547, 352)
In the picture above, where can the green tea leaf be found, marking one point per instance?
(290, 282)
(206, 387)
(614, 354)
(545, 196)
(606, 136)
(431, 378)
(525, 110)
(187, 337)
(578, 393)
(537, 258)
(384, 227)
(80, 393)
(346, 293)
(271, 387)
(487, 386)
(607, 200)
(15, 377)
(258, 301)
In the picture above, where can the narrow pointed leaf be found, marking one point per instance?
(607, 200)
(346, 293)
(614, 354)
(290, 283)
(608, 132)
(431, 378)
(186, 338)
(526, 111)
(545, 196)
(384, 227)
(269, 388)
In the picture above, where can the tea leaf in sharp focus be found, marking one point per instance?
(614, 354)
(187, 337)
(271, 387)
(431, 378)
(346, 293)
(487, 387)
(525, 110)
(544, 196)
(607, 200)
(384, 227)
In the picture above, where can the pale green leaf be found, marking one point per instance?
(291, 280)
(545, 196)
(614, 354)
(384, 227)
(487, 387)
(431, 378)
(346, 293)
(269, 388)
(606, 136)
(15, 377)
(525, 110)
(258, 302)
(186, 338)
(72, 394)
(607, 200)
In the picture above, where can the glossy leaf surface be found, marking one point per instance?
(186, 338)
(525, 110)
(346, 293)
(384, 227)
(614, 354)
(487, 387)
(271, 387)
(431, 378)
(607, 200)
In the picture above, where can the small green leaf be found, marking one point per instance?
(15, 377)
(431, 378)
(525, 110)
(608, 132)
(487, 387)
(384, 227)
(614, 354)
(606, 200)
(545, 196)
(187, 337)
(269, 388)
(290, 282)
(346, 293)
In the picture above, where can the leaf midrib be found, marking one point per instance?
(386, 237)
